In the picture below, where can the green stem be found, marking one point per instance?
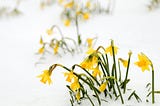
(114, 60)
(77, 29)
(125, 81)
(153, 86)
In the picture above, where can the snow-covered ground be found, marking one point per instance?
(131, 26)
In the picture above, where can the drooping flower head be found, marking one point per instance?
(109, 49)
(102, 86)
(41, 50)
(46, 77)
(75, 85)
(143, 62)
(70, 76)
(96, 71)
(89, 41)
(124, 62)
(49, 31)
(67, 22)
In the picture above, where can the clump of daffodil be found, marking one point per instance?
(46, 77)
(145, 63)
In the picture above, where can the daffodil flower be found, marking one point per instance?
(143, 62)
(88, 4)
(41, 50)
(69, 5)
(67, 22)
(49, 31)
(86, 16)
(45, 77)
(102, 87)
(90, 51)
(89, 41)
(78, 95)
(109, 50)
(75, 85)
(41, 41)
(56, 48)
(124, 62)
(96, 71)
(69, 76)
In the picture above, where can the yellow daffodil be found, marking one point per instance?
(75, 85)
(88, 4)
(45, 77)
(109, 50)
(102, 87)
(78, 95)
(89, 63)
(41, 41)
(49, 31)
(90, 51)
(56, 48)
(69, 76)
(96, 71)
(124, 62)
(86, 16)
(69, 5)
(41, 50)
(89, 41)
(60, 1)
(143, 62)
(67, 22)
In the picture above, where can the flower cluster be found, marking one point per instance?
(83, 10)
(154, 4)
(101, 75)
(8, 11)
(64, 44)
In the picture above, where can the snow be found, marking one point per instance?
(131, 26)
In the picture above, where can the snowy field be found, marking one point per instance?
(131, 26)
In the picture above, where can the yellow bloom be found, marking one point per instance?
(96, 71)
(69, 76)
(56, 48)
(41, 50)
(60, 1)
(78, 95)
(143, 62)
(90, 51)
(67, 22)
(41, 41)
(109, 50)
(49, 31)
(75, 85)
(86, 16)
(102, 87)
(45, 77)
(89, 63)
(69, 5)
(124, 62)
(88, 4)
(89, 41)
